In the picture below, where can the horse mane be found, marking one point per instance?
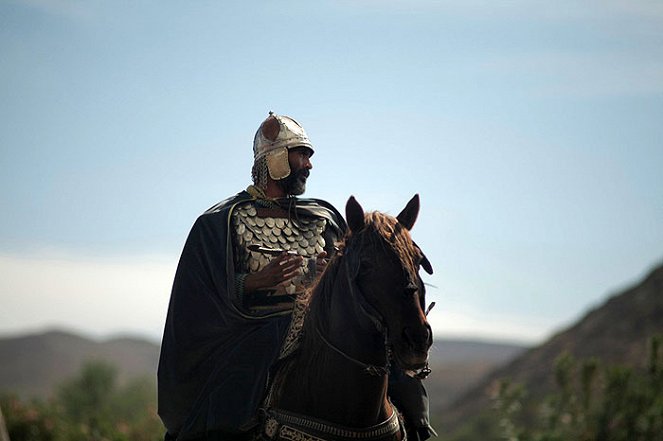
(380, 230)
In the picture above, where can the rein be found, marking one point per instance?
(372, 370)
(367, 310)
(373, 316)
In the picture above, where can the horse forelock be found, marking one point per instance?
(381, 230)
(388, 231)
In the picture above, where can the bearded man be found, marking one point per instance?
(243, 265)
(244, 262)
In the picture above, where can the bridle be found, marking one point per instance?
(376, 318)
(283, 425)
(370, 369)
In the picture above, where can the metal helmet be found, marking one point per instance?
(275, 136)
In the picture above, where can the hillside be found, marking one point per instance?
(33, 365)
(458, 365)
(615, 332)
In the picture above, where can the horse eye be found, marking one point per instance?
(411, 289)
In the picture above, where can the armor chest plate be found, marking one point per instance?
(271, 228)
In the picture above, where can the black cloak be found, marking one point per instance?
(215, 356)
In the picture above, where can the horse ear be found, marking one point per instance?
(425, 264)
(354, 214)
(408, 216)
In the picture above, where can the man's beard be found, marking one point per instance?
(295, 183)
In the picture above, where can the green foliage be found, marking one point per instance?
(89, 407)
(622, 404)
(481, 427)
(86, 399)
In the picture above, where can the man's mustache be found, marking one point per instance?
(304, 172)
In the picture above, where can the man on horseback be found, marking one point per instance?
(244, 263)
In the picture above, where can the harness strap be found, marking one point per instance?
(375, 371)
(280, 424)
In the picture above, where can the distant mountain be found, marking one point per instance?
(617, 332)
(458, 365)
(33, 365)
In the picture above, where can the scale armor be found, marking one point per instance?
(303, 236)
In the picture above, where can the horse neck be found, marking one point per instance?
(340, 317)
(323, 383)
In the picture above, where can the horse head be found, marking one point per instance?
(386, 265)
(366, 309)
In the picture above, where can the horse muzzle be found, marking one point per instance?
(410, 352)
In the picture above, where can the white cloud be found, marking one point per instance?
(103, 296)
(465, 323)
(97, 296)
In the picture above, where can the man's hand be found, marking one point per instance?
(320, 263)
(280, 270)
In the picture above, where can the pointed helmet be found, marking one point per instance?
(275, 136)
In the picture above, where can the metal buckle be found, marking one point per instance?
(423, 373)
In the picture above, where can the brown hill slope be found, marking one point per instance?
(616, 332)
(33, 365)
(458, 365)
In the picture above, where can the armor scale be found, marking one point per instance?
(271, 228)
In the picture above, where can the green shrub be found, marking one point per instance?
(602, 403)
(88, 407)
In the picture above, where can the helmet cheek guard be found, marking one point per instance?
(277, 164)
(275, 136)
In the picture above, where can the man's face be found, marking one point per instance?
(300, 164)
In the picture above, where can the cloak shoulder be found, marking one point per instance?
(215, 359)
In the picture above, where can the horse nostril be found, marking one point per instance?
(419, 341)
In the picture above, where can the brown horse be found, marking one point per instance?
(366, 311)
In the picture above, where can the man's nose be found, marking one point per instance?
(308, 164)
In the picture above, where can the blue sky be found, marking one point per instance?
(531, 130)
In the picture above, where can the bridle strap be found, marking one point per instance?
(360, 300)
(370, 312)
(372, 370)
